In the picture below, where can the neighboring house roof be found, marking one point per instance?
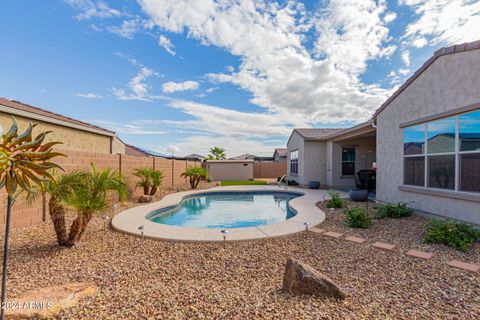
(244, 156)
(25, 110)
(439, 53)
(282, 152)
(194, 156)
(135, 151)
(230, 161)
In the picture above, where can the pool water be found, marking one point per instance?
(227, 210)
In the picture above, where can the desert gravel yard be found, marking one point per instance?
(147, 279)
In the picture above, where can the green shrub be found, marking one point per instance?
(399, 210)
(335, 200)
(357, 218)
(457, 235)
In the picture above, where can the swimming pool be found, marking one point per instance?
(227, 210)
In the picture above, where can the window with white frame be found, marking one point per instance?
(444, 154)
(294, 162)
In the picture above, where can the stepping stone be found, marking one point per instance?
(384, 246)
(332, 234)
(419, 254)
(316, 230)
(355, 239)
(464, 265)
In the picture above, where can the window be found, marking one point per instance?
(348, 161)
(444, 154)
(294, 162)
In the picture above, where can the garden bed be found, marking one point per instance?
(407, 233)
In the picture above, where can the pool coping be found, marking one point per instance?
(130, 220)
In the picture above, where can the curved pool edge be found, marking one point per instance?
(129, 220)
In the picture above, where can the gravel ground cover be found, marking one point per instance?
(147, 279)
(407, 233)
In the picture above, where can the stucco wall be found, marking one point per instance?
(73, 139)
(364, 157)
(118, 147)
(451, 82)
(315, 156)
(296, 142)
(219, 171)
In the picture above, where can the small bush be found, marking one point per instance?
(399, 210)
(457, 235)
(357, 218)
(335, 200)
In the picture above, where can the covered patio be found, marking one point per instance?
(351, 158)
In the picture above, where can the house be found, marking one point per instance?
(194, 157)
(423, 143)
(428, 146)
(219, 170)
(280, 155)
(75, 134)
(245, 156)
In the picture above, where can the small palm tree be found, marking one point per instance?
(195, 174)
(157, 178)
(92, 198)
(145, 179)
(150, 180)
(217, 153)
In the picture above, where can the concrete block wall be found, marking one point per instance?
(269, 169)
(25, 213)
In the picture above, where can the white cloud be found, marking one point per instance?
(211, 89)
(88, 95)
(136, 128)
(90, 9)
(167, 45)
(171, 87)
(405, 56)
(389, 17)
(137, 88)
(127, 29)
(280, 73)
(230, 68)
(443, 22)
(172, 149)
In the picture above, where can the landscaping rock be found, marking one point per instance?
(48, 302)
(144, 199)
(300, 278)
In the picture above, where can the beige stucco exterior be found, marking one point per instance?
(118, 147)
(220, 170)
(451, 82)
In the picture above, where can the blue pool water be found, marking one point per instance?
(227, 210)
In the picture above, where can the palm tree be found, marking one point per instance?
(145, 179)
(92, 198)
(217, 153)
(195, 174)
(157, 178)
(24, 163)
(150, 180)
(60, 190)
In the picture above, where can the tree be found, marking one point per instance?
(195, 174)
(216, 153)
(92, 198)
(24, 163)
(150, 180)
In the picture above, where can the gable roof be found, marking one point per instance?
(194, 156)
(282, 152)
(439, 53)
(25, 110)
(244, 156)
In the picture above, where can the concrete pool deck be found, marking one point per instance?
(131, 219)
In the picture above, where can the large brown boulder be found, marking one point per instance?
(48, 302)
(144, 199)
(300, 278)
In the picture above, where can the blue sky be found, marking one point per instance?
(182, 76)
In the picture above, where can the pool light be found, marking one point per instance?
(141, 228)
(306, 224)
(224, 232)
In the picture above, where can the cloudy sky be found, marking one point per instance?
(181, 76)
